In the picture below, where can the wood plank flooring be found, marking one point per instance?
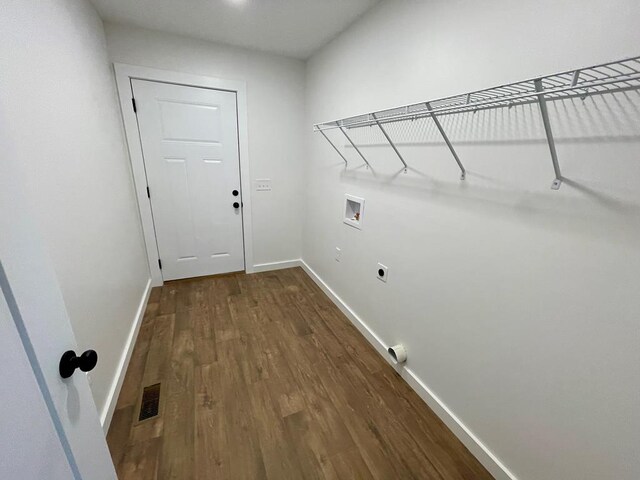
(262, 377)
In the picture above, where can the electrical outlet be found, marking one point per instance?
(263, 184)
(338, 254)
(382, 272)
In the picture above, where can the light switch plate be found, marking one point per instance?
(263, 184)
(338, 254)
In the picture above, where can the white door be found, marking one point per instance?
(189, 139)
(31, 447)
(50, 427)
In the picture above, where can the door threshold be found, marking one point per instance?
(203, 277)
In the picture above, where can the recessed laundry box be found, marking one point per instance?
(353, 210)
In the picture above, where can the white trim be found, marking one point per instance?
(124, 73)
(460, 430)
(266, 267)
(116, 385)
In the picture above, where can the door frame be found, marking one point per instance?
(124, 74)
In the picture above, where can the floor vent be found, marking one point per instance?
(150, 402)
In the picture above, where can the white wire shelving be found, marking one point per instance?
(606, 78)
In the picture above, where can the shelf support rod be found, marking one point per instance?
(334, 147)
(576, 78)
(547, 128)
(342, 129)
(386, 135)
(463, 175)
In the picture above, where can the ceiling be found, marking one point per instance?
(296, 28)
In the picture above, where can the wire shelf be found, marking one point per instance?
(612, 77)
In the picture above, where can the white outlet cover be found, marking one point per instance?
(262, 184)
(382, 272)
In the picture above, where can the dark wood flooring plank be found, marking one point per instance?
(168, 300)
(249, 356)
(223, 326)
(278, 450)
(349, 464)
(374, 450)
(387, 426)
(118, 436)
(154, 295)
(224, 286)
(293, 292)
(213, 452)
(451, 458)
(155, 371)
(309, 446)
(262, 377)
(185, 293)
(353, 342)
(141, 461)
(246, 459)
(320, 406)
(178, 449)
(249, 289)
(297, 320)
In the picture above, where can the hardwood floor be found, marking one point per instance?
(262, 377)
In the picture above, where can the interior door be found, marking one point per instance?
(189, 139)
(26, 423)
(50, 426)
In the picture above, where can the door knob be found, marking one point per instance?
(236, 205)
(70, 361)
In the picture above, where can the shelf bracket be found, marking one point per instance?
(334, 147)
(386, 135)
(547, 128)
(342, 129)
(463, 175)
(576, 78)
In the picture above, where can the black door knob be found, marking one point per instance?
(236, 205)
(70, 361)
(235, 193)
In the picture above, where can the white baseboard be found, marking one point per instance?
(265, 267)
(460, 430)
(114, 391)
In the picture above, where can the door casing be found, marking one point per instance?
(124, 74)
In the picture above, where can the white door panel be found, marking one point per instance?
(189, 140)
(33, 450)
(32, 294)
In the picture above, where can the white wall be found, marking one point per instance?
(58, 91)
(518, 304)
(275, 103)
